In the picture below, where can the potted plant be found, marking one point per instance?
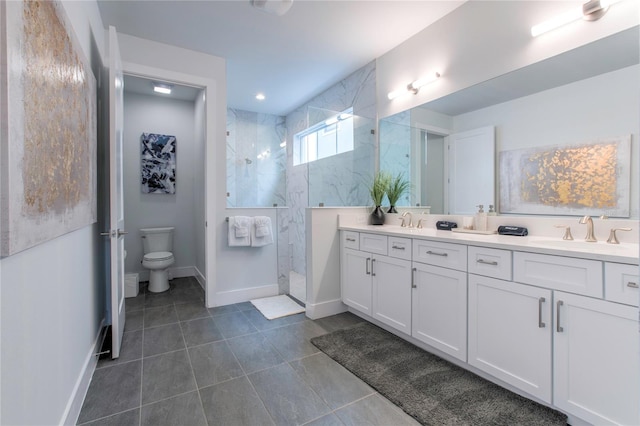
(398, 185)
(377, 190)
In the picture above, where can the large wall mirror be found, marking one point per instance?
(582, 96)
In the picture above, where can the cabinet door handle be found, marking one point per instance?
(437, 253)
(397, 247)
(353, 240)
(487, 262)
(413, 280)
(368, 271)
(632, 284)
(559, 303)
(373, 274)
(540, 323)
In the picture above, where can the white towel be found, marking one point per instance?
(242, 226)
(234, 239)
(261, 234)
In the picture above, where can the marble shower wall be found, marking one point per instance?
(338, 180)
(256, 163)
(395, 147)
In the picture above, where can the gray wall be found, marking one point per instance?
(154, 114)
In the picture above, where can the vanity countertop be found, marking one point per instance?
(601, 250)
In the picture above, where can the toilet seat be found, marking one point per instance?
(158, 256)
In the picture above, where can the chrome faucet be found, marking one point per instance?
(410, 218)
(589, 222)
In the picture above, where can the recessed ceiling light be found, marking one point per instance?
(165, 89)
(260, 97)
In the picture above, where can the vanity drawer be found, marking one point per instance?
(351, 239)
(580, 276)
(621, 283)
(400, 247)
(447, 255)
(373, 243)
(494, 263)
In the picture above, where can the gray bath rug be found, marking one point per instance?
(428, 388)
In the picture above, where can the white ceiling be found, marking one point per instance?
(289, 58)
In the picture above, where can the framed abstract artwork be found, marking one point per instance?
(592, 178)
(158, 163)
(48, 127)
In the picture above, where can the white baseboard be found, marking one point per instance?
(325, 309)
(178, 272)
(201, 278)
(244, 294)
(74, 405)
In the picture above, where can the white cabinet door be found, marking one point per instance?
(356, 280)
(510, 333)
(392, 292)
(439, 309)
(596, 360)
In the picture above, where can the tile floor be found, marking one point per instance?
(184, 364)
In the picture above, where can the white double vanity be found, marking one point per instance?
(554, 320)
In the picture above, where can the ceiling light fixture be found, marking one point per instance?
(414, 87)
(165, 89)
(261, 97)
(590, 11)
(275, 7)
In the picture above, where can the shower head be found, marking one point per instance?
(248, 161)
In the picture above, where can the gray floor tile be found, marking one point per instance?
(214, 363)
(166, 375)
(192, 310)
(128, 418)
(374, 410)
(244, 306)
(113, 390)
(234, 403)
(187, 295)
(162, 339)
(134, 320)
(162, 315)
(287, 398)
(233, 324)
(331, 381)
(254, 352)
(261, 323)
(130, 350)
(132, 304)
(339, 321)
(292, 341)
(328, 420)
(200, 331)
(155, 300)
(184, 409)
(221, 310)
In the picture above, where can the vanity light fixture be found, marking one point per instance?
(414, 86)
(165, 89)
(590, 11)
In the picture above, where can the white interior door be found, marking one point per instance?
(116, 210)
(471, 170)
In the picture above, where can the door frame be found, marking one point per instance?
(210, 89)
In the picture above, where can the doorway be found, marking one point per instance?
(181, 114)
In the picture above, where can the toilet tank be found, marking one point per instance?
(157, 239)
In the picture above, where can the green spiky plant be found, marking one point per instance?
(398, 185)
(379, 187)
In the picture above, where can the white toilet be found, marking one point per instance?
(157, 244)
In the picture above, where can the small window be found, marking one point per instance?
(329, 137)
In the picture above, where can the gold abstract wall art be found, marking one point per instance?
(591, 178)
(48, 135)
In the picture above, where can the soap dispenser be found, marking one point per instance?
(481, 219)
